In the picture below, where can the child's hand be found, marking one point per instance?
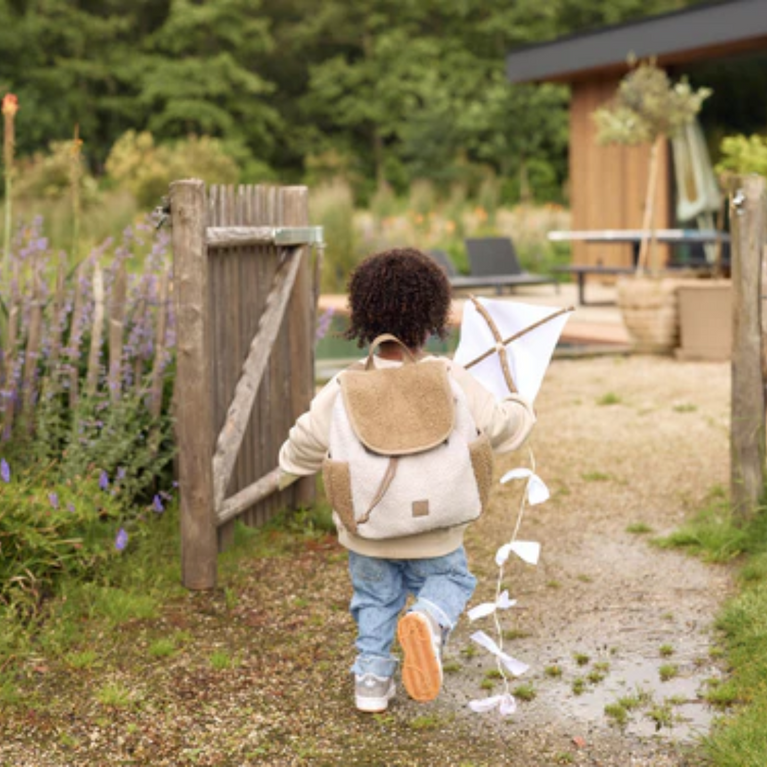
(286, 480)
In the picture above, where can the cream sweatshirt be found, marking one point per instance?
(506, 424)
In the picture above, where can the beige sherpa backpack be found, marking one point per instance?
(405, 454)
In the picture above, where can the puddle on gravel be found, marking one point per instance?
(674, 709)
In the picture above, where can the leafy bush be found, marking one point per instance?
(741, 154)
(120, 439)
(48, 529)
(147, 169)
(49, 176)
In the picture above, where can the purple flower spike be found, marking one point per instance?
(157, 504)
(5, 470)
(54, 499)
(103, 480)
(71, 507)
(121, 541)
(121, 473)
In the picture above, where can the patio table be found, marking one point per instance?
(634, 238)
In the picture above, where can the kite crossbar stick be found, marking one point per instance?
(519, 334)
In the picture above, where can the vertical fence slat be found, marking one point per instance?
(747, 439)
(301, 331)
(227, 311)
(194, 418)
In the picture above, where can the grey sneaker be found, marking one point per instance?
(372, 693)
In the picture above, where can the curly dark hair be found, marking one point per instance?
(400, 291)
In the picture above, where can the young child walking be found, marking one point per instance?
(403, 293)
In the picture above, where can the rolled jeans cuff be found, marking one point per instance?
(375, 664)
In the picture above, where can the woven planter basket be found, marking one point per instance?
(650, 310)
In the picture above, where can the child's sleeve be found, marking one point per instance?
(305, 448)
(506, 423)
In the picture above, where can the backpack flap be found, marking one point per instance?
(400, 411)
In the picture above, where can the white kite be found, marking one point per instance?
(507, 346)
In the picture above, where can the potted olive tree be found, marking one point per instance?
(648, 109)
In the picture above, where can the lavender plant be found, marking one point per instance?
(92, 398)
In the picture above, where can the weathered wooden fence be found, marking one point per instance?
(245, 290)
(748, 222)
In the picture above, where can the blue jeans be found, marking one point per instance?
(442, 587)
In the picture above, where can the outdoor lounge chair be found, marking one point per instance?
(444, 260)
(457, 281)
(494, 264)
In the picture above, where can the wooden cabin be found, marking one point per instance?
(608, 183)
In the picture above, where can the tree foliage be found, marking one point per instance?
(382, 90)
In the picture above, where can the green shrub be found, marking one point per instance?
(742, 154)
(121, 440)
(147, 169)
(48, 529)
(48, 176)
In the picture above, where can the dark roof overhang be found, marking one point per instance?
(702, 32)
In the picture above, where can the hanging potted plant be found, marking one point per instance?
(648, 109)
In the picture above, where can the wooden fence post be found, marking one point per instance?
(194, 416)
(747, 423)
(302, 327)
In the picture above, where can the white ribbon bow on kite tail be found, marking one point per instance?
(521, 369)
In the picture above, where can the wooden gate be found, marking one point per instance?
(245, 291)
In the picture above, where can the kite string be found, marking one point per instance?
(499, 582)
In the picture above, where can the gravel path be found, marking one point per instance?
(620, 442)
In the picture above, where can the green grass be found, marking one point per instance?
(595, 476)
(162, 648)
(739, 738)
(115, 695)
(524, 692)
(668, 671)
(617, 713)
(425, 722)
(554, 672)
(712, 534)
(609, 399)
(595, 676)
(638, 528)
(84, 659)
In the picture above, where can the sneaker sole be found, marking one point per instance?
(422, 671)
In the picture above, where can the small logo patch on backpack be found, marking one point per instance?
(420, 508)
